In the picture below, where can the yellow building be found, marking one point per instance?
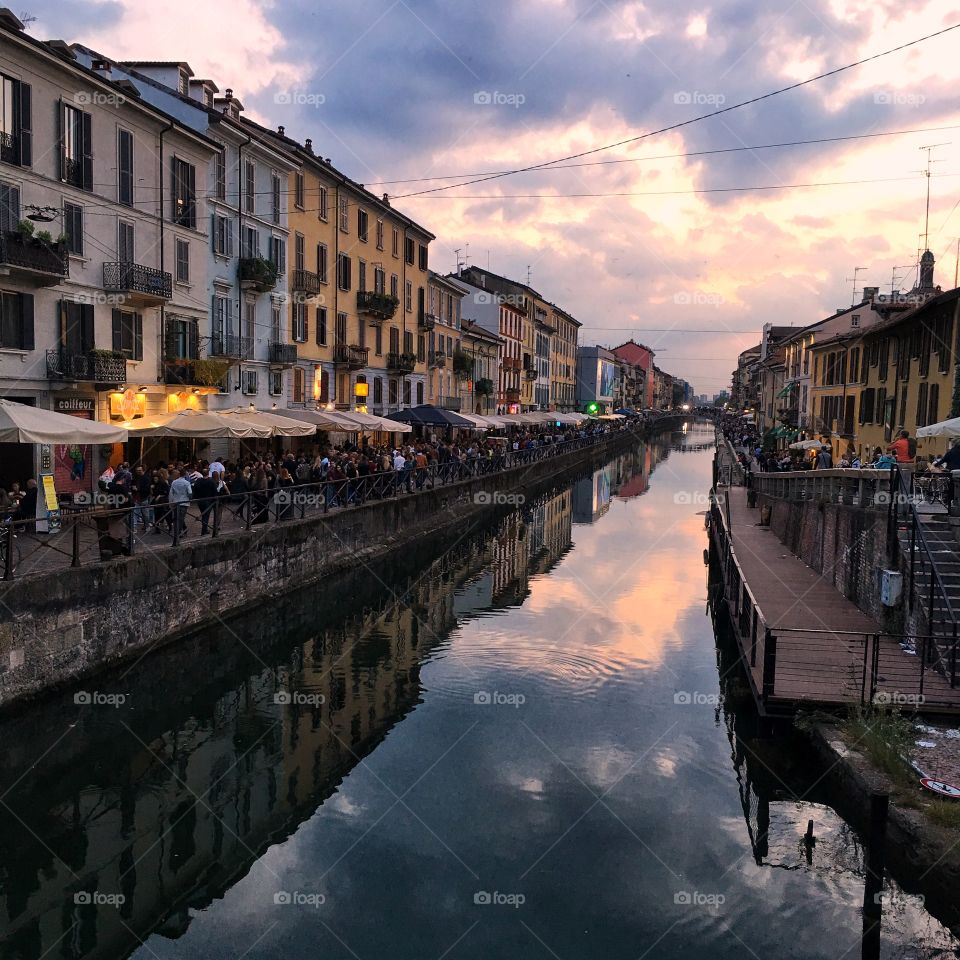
(563, 361)
(908, 372)
(358, 279)
(445, 367)
(835, 385)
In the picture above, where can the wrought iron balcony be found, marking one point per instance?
(427, 321)
(511, 363)
(380, 306)
(436, 359)
(180, 372)
(73, 172)
(9, 148)
(283, 353)
(511, 395)
(401, 362)
(451, 403)
(139, 284)
(100, 366)
(350, 356)
(530, 373)
(229, 346)
(33, 260)
(305, 283)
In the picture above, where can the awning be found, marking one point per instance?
(189, 424)
(280, 425)
(347, 422)
(785, 391)
(20, 423)
(945, 428)
(428, 415)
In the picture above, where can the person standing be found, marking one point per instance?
(179, 498)
(824, 459)
(904, 448)
(205, 492)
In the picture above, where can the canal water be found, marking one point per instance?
(529, 743)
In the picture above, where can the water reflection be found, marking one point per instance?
(263, 762)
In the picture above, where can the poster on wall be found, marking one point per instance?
(73, 462)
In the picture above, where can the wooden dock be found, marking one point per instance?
(801, 641)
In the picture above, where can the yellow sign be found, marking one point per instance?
(361, 389)
(50, 492)
(127, 405)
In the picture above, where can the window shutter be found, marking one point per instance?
(61, 144)
(117, 334)
(26, 124)
(86, 326)
(192, 186)
(173, 190)
(229, 237)
(213, 233)
(9, 208)
(87, 152)
(138, 336)
(26, 321)
(305, 313)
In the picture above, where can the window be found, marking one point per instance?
(222, 236)
(423, 256)
(250, 320)
(379, 234)
(276, 383)
(361, 333)
(344, 212)
(9, 207)
(396, 242)
(16, 320)
(409, 248)
(419, 392)
(299, 253)
(184, 193)
(275, 197)
(322, 206)
(408, 296)
(343, 271)
(76, 330)
(182, 340)
(249, 185)
(250, 385)
(406, 393)
(220, 175)
(421, 348)
(322, 265)
(324, 387)
(922, 405)
(855, 320)
(394, 340)
(16, 136)
(379, 280)
(321, 326)
(362, 225)
(362, 275)
(299, 385)
(933, 402)
(378, 340)
(125, 179)
(73, 228)
(408, 341)
(276, 327)
(222, 324)
(125, 242)
(300, 323)
(278, 254)
(394, 286)
(76, 143)
(183, 261)
(298, 190)
(341, 331)
(184, 83)
(378, 390)
(128, 334)
(394, 393)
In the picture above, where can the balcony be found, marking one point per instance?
(436, 360)
(530, 373)
(306, 284)
(511, 363)
(229, 346)
(283, 354)
(257, 274)
(349, 356)
(99, 366)
(401, 362)
(9, 148)
(380, 306)
(140, 285)
(32, 260)
(511, 395)
(179, 372)
(427, 321)
(450, 403)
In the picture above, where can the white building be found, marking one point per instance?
(108, 184)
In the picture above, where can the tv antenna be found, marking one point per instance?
(853, 279)
(926, 223)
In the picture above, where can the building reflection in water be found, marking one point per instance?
(167, 802)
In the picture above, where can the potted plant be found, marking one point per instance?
(484, 387)
(25, 228)
(462, 364)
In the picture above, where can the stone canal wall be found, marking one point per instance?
(59, 628)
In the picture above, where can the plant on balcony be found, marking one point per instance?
(100, 354)
(408, 359)
(462, 364)
(210, 373)
(484, 387)
(44, 236)
(259, 271)
(25, 228)
(385, 303)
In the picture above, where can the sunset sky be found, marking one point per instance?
(397, 90)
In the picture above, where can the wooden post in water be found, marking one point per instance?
(873, 884)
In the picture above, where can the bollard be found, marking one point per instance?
(8, 558)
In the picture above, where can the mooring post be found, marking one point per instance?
(873, 883)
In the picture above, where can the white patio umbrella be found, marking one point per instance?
(193, 424)
(806, 445)
(280, 425)
(945, 428)
(347, 422)
(480, 422)
(20, 423)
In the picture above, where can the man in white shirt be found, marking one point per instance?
(179, 499)
(399, 462)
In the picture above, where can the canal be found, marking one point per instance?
(531, 743)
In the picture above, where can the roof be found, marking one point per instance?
(473, 329)
(891, 322)
(179, 64)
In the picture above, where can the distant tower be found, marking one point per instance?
(926, 271)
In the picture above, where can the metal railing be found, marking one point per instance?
(102, 368)
(306, 282)
(231, 345)
(855, 487)
(381, 306)
(27, 253)
(283, 353)
(108, 527)
(350, 356)
(124, 276)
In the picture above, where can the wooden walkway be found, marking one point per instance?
(802, 641)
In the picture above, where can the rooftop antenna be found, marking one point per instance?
(926, 223)
(853, 295)
(466, 255)
(456, 251)
(893, 277)
(528, 274)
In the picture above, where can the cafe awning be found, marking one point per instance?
(21, 423)
(280, 425)
(190, 424)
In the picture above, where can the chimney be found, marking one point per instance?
(280, 130)
(100, 66)
(870, 293)
(308, 145)
(228, 93)
(926, 270)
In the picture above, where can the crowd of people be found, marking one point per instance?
(344, 475)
